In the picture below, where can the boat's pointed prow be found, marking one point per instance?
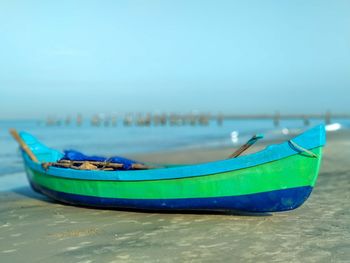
(41, 151)
(320, 132)
(28, 138)
(312, 138)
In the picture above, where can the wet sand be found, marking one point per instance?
(36, 229)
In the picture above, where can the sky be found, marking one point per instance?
(66, 57)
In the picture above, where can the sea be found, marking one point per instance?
(125, 140)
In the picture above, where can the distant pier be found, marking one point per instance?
(191, 119)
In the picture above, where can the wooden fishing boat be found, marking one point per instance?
(278, 178)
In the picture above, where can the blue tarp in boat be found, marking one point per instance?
(73, 155)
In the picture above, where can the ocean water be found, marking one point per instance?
(121, 140)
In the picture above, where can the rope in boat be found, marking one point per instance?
(302, 149)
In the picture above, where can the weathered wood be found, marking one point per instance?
(64, 165)
(244, 147)
(92, 165)
(139, 166)
(111, 165)
(23, 145)
(87, 166)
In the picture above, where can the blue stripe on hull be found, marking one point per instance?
(273, 201)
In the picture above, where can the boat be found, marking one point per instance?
(278, 178)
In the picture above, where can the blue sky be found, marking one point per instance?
(60, 57)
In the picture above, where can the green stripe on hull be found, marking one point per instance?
(294, 171)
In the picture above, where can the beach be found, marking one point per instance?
(142, 104)
(34, 228)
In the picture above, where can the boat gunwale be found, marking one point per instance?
(309, 140)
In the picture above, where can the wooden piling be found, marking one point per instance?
(128, 120)
(219, 119)
(328, 119)
(79, 120)
(306, 120)
(276, 119)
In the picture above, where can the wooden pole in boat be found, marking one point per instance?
(244, 147)
(23, 145)
(92, 165)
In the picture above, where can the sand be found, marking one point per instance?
(36, 229)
